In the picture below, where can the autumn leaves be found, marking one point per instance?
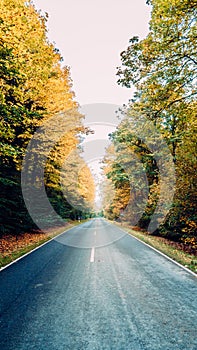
(163, 69)
(34, 89)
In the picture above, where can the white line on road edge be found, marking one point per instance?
(92, 255)
(40, 246)
(158, 251)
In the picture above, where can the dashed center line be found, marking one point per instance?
(92, 255)
(95, 233)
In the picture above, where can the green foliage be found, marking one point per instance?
(34, 87)
(163, 69)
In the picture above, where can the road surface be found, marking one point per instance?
(97, 288)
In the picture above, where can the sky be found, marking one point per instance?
(90, 35)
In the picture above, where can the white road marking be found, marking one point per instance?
(159, 252)
(95, 233)
(92, 255)
(40, 246)
(38, 285)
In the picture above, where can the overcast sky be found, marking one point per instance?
(90, 35)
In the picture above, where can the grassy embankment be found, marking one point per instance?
(13, 247)
(172, 249)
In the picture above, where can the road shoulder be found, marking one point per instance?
(163, 246)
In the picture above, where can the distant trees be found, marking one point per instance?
(34, 87)
(163, 69)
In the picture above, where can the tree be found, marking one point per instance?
(34, 89)
(163, 68)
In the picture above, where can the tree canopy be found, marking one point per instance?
(34, 88)
(163, 69)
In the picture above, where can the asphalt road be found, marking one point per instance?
(97, 288)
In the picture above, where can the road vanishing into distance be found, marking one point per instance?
(97, 288)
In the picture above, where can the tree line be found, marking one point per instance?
(163, 69)
(34, 88)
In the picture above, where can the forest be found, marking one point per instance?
(163, 69)
(36, 89)
(35, 86)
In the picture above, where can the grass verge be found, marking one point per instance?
(13, 247)
(165, 246)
